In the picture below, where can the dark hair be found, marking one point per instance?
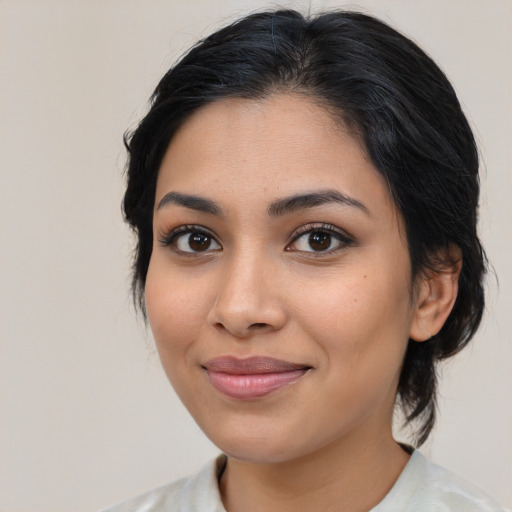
(393, 97)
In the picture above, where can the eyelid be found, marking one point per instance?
(342, 236)
(167, 240)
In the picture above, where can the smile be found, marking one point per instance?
(251, 378)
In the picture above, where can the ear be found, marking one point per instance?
(436, 294)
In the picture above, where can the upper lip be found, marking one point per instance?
(251, 365)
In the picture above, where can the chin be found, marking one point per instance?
(270, 449)
(258, 453)
(261, 447)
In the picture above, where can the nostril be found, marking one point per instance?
(258, 325)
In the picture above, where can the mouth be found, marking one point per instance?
(254, 377)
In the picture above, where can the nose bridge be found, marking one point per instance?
(242, 273)
(246, 300)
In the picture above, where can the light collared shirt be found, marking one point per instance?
(421, 487)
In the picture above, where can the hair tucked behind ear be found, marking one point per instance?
(402, 108)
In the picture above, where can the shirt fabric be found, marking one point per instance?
(421, 487)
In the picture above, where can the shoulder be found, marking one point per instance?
(198, 493)
(427, 486)
(166, 497)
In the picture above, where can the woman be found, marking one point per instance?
(304, 192)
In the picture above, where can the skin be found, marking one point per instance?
(260, 289)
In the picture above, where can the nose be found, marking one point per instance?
(248, 299)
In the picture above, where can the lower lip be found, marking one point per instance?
(247, 387)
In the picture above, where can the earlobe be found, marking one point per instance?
(435, 299)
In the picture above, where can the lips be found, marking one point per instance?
(254, 377)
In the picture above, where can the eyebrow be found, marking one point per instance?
(311, 199)
(277, 208)
(190, 201)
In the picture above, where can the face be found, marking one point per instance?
(278, 290)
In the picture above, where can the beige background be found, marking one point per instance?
(87, 417)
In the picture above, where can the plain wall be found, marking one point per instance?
(87, 418)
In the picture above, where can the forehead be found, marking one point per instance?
(283, 144)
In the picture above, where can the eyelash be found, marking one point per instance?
(343, 238)
(171, 238)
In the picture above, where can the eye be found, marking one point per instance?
(191, 239)
(324, 239)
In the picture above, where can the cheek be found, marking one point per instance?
(176, 310)
(358, 320)
(175, 305)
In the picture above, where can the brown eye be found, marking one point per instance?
(199, 241)
(192, 241)
(319, 241)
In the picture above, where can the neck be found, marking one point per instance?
(350, 475)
